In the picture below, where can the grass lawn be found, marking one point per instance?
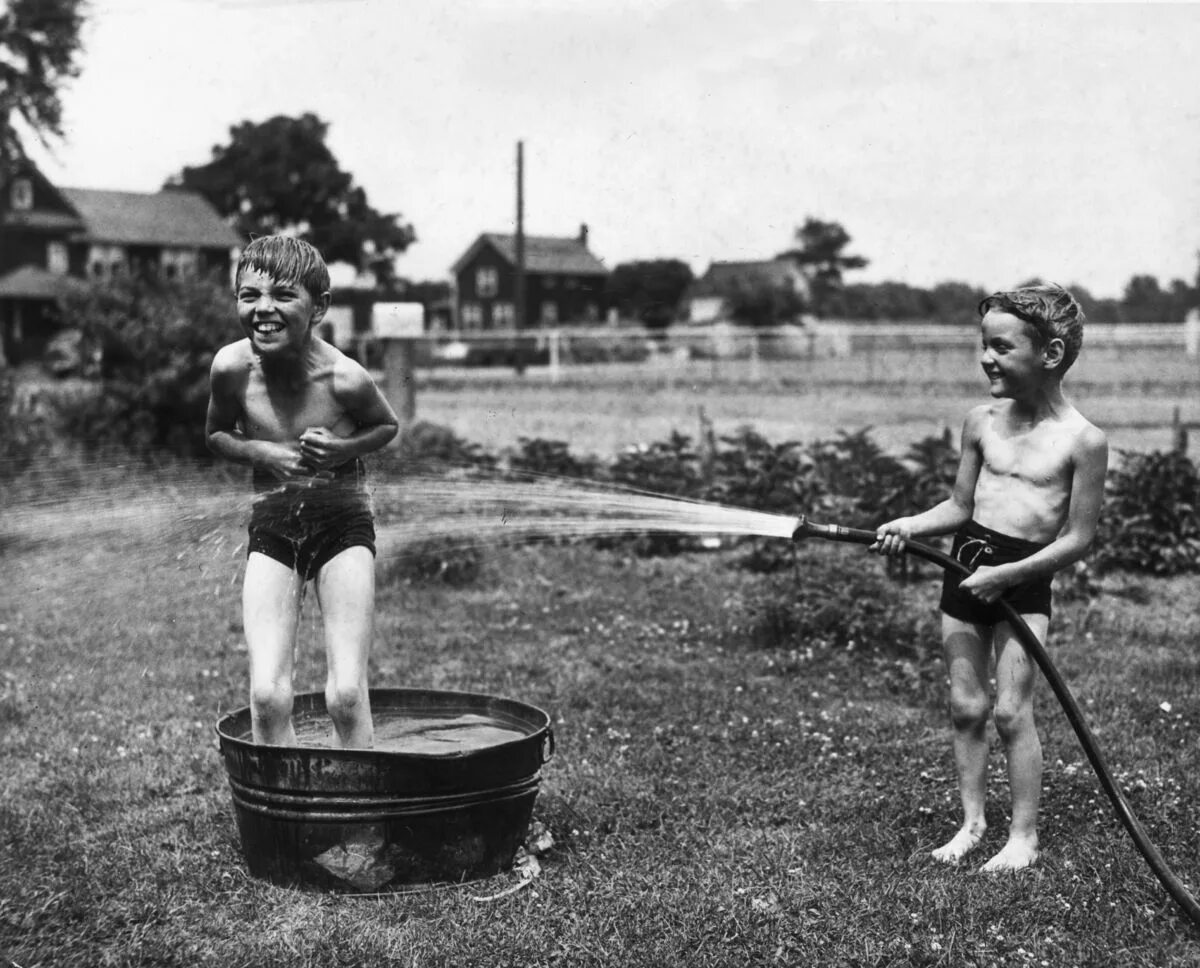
(724, 792)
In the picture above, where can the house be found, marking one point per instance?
(564, 283)
(51, 238)
(706, 301)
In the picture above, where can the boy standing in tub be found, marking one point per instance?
(301, 414)
(1025, 505)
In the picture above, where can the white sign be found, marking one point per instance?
(397, 320)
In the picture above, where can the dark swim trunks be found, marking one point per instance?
(305, 524)
(975, 545)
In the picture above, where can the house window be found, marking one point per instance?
(105, 261)
(56, 258)
(487, 282)
(472, 315)
(549, 314)
(504, 314)
(178, 263)
(22, 194)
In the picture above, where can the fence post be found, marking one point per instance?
(399, 377)
(1179, 434)
(555, 368)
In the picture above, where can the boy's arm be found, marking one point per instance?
(226, 439)
(1089, 466)
(376, 422)
(950, 514)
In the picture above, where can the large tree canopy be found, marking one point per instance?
(819, 254)
(39, 46)
(280, 176)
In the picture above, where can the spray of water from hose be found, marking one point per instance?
(1167, 877)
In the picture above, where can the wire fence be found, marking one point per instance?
(1162, 355)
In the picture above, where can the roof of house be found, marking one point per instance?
(720, 276)
(34, 282)
(171, 217)
(543, 254)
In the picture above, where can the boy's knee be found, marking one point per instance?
(271, 700)
(969, 711)
(1012, 718)
(345, 702)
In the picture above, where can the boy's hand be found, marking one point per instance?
(282, 460)
(322, 449)
(987, 583)
(892, 536)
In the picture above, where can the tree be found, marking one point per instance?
(755, 299)
(39, 46)
(819, 254)
(1144, 300)
(649, 291)
(280, 176)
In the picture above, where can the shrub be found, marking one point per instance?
(25, 434)
(1151, 520)
(155, 340)
(425, 445)
(537, 456)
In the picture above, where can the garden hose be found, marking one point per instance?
(1152, 855)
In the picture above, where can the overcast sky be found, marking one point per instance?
(955, 141)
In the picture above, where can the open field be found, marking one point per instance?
(726, 790)
(905, 395)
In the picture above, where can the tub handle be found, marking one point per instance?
(548, 746)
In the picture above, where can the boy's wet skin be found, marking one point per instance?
(1025, 504)
(300, 412)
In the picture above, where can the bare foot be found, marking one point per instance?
(1016, 855)
(961, 844)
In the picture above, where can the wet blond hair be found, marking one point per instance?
(286, 259)
(1049, 312)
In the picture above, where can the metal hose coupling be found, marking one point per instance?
(830, 532)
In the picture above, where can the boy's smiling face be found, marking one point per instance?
(1010, 360)
(277, 317)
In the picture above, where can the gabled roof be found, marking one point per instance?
(171, 217)
(34, 282)
(543, 254)
(720, 277)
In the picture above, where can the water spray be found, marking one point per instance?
(832, 532)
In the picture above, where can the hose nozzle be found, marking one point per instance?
(830, 532)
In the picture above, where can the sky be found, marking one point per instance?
(978, 142)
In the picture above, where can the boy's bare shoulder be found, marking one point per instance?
(233, 357)
(977, 419)
(349, 376)
(1085, 435)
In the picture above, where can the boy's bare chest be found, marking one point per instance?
(1040, 456)
(284, 413)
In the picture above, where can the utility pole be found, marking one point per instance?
(519, 294)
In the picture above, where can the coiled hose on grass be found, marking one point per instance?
(1152, 855)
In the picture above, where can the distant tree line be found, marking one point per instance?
(655, 292)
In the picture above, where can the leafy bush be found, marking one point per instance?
(1151, 516)
(537, 456)
(425, 445)
(155, 340)
(25, 434)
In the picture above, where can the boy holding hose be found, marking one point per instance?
(1025, 505)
